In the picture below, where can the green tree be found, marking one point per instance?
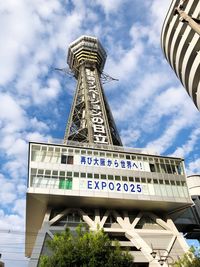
(189, 259)
(85, 249)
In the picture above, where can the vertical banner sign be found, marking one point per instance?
(98, 124)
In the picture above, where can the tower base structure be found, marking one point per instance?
(151, 240)
(129, 193)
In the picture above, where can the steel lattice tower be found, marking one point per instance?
(90, 120)
(133, 194)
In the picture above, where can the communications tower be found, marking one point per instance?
(91, 178)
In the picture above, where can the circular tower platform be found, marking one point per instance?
(86, 49)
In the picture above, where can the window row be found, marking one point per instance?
(69, 174)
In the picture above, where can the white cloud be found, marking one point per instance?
(174, 105)
(111, 5)
(137, 98)
(11, 114)
(189, 146)
(20, 207)
(7, 191)
(194, 167)
(129, 136)
(125, 62)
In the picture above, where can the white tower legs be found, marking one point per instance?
(152, 239)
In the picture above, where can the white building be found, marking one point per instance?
(180, 43)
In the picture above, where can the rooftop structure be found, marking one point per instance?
(180, 43)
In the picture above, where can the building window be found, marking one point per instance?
(67, 159)
(96, 176)
(117, 178)
(103, 176)
(70, 160)
(131, 179)
(124, 178)
(89, 175)
(63, 159)
(110, 177)
(152, 167)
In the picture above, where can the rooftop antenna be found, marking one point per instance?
(105, 78)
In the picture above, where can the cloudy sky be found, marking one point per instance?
(155, 111)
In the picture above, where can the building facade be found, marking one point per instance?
(90, 178)
(180, 41)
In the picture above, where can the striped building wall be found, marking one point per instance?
(180, 41)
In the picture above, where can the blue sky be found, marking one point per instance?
(150, 106)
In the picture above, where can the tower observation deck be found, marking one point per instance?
(91, 178)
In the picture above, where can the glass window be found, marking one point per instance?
(149, 180)
(143, 180)
(33, 171)
(173, 169)
(131, 179)
(128, 157)
(40, 171)
(62, 173)
(83, 152)
(124, 178)
(76, 174)
(162, 166)
(110, 177)
(137, 179)
(70, 160)
(55, 173)
(69, 173)
(89, 175)
(157, 167)
(63, 159)
(83, 174)
(168, 167)
(48, 172)
(103, 176)
(155, 181)
(167, 182)
(117, 178)
(96, 176)
(77, 151)
(152, 167)
(102, 154)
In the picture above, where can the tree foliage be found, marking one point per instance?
(85, 249)
(189, 259)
